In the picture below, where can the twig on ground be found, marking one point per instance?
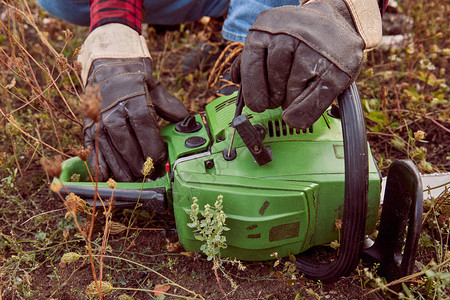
(407, 278)
(41, 214)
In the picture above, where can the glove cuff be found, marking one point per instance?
(367, 19)
(111, 41)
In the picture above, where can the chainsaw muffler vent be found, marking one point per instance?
(280, 128)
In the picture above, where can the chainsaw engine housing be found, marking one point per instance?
(287, 205)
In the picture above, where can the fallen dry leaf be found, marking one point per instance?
(160, 289)
(173, 247)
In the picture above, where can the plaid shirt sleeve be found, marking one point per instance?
(128, 12)
(383, 5)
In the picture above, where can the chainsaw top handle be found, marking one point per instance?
(356, 194)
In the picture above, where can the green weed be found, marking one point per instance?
(209, 228)
(404, 92)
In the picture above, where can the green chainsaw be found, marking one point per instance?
(283, 188)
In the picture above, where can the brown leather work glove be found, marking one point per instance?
(302, 57)
(115, 58)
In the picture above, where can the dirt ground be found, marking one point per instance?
(35, 233)
(190, 270)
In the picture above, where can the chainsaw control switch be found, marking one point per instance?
(252, 139)
(188, 125)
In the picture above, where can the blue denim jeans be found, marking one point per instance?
(241, 13)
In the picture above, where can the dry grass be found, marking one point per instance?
(404, 92)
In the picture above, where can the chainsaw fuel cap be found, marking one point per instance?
(194, 142)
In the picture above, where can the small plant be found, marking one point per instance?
(289, 272)
(404, 91)
(432, 282)
(209, 229)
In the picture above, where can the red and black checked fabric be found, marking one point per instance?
(128, 12)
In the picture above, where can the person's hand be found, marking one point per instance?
(116, 61)
(302, 57)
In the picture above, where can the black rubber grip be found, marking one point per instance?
(151, 199)
(356, 194)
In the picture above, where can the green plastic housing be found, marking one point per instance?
(285, 206)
